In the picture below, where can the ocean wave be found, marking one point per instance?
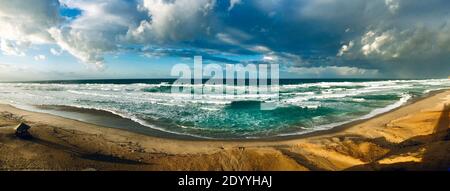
(313, 106)
(128, 116)
(404, 99)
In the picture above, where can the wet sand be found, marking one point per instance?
(412, 137)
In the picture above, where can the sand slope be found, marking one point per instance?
(413, 137)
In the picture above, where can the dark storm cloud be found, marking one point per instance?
(389, 38)
(401, 38)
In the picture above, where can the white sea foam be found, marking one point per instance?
(133, 101)
(373, 113)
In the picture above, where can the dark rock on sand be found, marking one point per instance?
(21, 131)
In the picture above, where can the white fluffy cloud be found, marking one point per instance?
(330, 71)
(392, 5)
(106, 26)
(56, 52)
(173, 20)
(11, 48)
(234, 3)
(405, 32)
(24, 22)
(415, 43)
(372, 43)
(40, 57)
(28, 21)
(98, 30)
(345, 48)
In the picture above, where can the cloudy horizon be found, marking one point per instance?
(87, 39)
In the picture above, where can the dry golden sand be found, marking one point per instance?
(413, 137)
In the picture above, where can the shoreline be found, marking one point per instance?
(135, 127)
(345, 126)
(66, 144)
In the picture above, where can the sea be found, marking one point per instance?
(149, 105)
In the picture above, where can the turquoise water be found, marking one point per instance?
(303, 106)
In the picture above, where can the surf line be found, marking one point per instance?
(230, 81)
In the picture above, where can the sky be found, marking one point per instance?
(105, 39)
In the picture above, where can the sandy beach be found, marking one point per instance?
(412, 137)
